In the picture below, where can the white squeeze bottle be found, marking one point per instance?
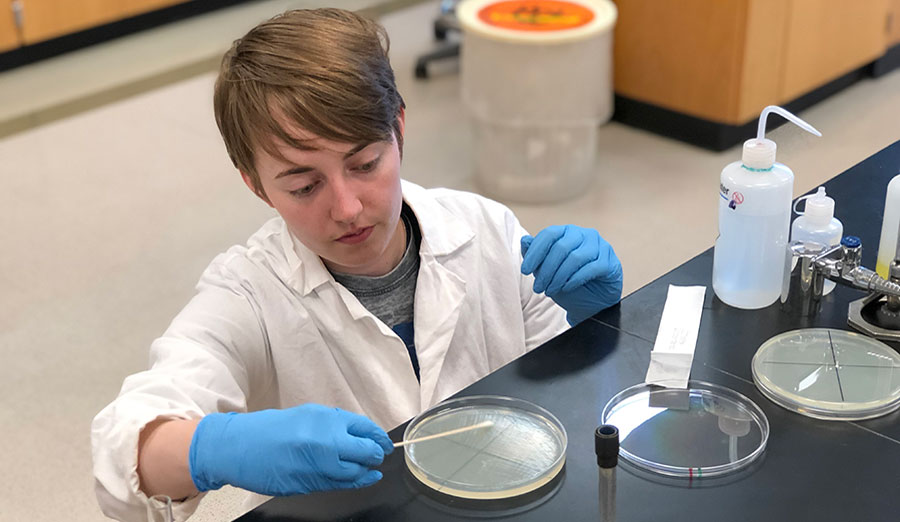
(887, 246)
(754, 218)
(818, 224)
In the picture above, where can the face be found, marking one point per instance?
(341, 200)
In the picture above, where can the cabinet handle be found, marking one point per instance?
(18, 9)
(18, 12)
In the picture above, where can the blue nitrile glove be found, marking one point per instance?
(286, 452)
(575, 267)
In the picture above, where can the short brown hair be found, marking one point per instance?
(326, 70)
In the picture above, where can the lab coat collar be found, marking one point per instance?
(442, 234)
(306, 269)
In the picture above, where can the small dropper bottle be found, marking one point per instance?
(818, 224)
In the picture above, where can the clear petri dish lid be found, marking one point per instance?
(705, 430)
(829, 374)
(523, 448)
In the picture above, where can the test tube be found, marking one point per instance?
(606, 445)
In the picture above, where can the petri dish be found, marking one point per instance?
(522, 450)
(705, 430)
(829, 374)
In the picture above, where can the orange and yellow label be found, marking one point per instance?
(536, 15)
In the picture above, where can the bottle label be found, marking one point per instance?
(732, 198)
(536, 15)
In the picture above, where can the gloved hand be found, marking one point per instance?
(286, 452)
(575, 267)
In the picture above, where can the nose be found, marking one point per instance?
(346, 205)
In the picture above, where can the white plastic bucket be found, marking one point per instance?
(537, 82)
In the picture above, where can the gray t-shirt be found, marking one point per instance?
(391, 297)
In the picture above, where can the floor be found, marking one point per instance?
(113, 212)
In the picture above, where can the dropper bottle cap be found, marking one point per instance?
(819, 208)
(759, 153)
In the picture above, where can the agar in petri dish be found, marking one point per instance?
(523, 449)
(829, 374)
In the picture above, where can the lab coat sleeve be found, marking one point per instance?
(543, 318)
(199, 366)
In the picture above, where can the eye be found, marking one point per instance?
(306, 190)
(367, 167)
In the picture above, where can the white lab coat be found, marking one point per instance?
(271, 328)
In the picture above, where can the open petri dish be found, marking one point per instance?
(522, 449)
(829, 374)
(705, 430)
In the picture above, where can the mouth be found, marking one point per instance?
(356, 236)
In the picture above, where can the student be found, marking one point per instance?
(368, 300)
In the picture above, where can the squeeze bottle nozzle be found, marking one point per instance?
(759, 153)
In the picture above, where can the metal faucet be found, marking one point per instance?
(841, 265)
(804, 281)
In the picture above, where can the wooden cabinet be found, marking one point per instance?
(825, 39)
(699, 57)
(46, 19)
(724, 60)
(658, 52)
(136, 7)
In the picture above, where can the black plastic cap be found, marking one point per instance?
(606, 445)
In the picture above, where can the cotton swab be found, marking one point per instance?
(485, 424)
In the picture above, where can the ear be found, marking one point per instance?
(401, 125)
(402, 119)
(249, 182)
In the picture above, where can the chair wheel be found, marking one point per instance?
(440, 33)
(421, 71)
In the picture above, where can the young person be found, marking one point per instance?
(368, 300)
